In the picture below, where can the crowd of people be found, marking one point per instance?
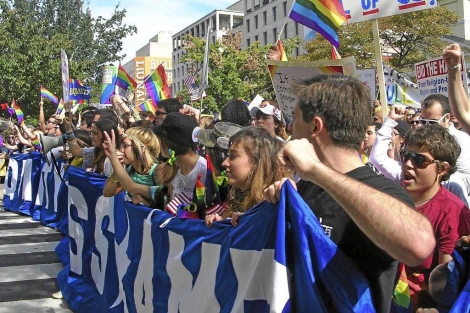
(387, 188)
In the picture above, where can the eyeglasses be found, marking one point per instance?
(414, 122)
(125, 145)
(11, 137)
(52, 122)
(160, 113)
(424, 121)
(419, 160)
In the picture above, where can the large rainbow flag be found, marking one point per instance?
(124, 80)
(156, 85)
(49, 95)
(324, 16)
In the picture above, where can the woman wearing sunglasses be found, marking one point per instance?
(428, 158)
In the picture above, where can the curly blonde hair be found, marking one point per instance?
(145, 146)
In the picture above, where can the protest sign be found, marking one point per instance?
(432, 77)
(289, 72)
(363, 10)
(64, 68)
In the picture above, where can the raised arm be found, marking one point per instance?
(42, 121)
(458, 97)
(21, 138)
(74, 148)
(388, 222)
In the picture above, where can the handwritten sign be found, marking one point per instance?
(64, 67)
(363, 10)
(432, 77)
(289, 72)
(367, 77)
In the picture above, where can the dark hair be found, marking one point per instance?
(89, 108)
(431, 99)
(83, 135)
(170, 105)
(341, 101)
(104, 125)
(236, 111)
(87, 118)
(107, 114)
(143, 123)
(436, 140)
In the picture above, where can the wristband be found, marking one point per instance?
(457, 67)
(114, 181)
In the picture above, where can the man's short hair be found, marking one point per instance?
(170, 105)
(431, 99)
(436, 140)
(87, 118)
(107, 114)
(342, 102)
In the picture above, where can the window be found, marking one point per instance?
(285, 31)
(265, 18)
(296, 28)
(248, 25)
(275, 34)
(248, 42)
(284, 7)
(256, 38)
(178, 72)
(182, 71)
(274, 13)
(265, 37)
(256, 22)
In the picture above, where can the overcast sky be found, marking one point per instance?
(151, 17)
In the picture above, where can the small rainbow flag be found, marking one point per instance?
(334, 53)
(324, 16)
(18, 112)
(401, 295)
(124, 80)
(272, 68)
(156, 85)
(60, 107)
(146, 106)
(36, 143)
(49, 95)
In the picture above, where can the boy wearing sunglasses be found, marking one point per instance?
(428, 158)
(435, 109)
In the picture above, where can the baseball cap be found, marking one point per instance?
(178, 128)
(402, 127)
(267, 109)
(219, 136)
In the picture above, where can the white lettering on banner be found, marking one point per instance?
(260, 277)
(27, 183)
(252, 269)
(104, 207)
(13, 182)
(75, 229)
(122, 262)
(143, 285)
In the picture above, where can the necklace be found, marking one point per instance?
(422, 202)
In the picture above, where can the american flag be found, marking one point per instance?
(193, 88)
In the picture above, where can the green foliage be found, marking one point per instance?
(234, 73)
(32, 32)
(412, 37)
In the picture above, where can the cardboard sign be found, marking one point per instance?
(288, 72)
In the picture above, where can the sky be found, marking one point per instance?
(153, 16)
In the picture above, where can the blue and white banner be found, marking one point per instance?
(132, 259)
(21, 182)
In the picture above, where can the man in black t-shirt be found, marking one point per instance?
(369, 217)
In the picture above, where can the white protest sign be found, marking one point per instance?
(363, 10)
(288, 72)
(399, 89)
(367, 77)
(432, 77)
(64, 67)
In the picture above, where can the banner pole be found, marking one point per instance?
(380, 69)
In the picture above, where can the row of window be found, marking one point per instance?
(275, 33)
(265, 17)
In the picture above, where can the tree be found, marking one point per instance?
(413, 37)
(32, 32)
(234, 73)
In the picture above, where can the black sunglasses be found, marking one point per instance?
(414, 122)
(419, 160)
(160, 113)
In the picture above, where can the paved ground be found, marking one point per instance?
(28, 265)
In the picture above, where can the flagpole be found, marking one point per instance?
(285, 22)
(380, 69)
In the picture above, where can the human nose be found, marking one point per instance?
(226, 163)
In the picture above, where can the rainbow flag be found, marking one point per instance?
(213, 198)
(273, 68)
(334, 53)
(146, 106)
(401, 295)
(18, 112)
(60, 107)
(156, 85)
(36, 143)
(324, 16)
(49, 95)
(124, 80)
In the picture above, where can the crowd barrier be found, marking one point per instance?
(119, 257)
